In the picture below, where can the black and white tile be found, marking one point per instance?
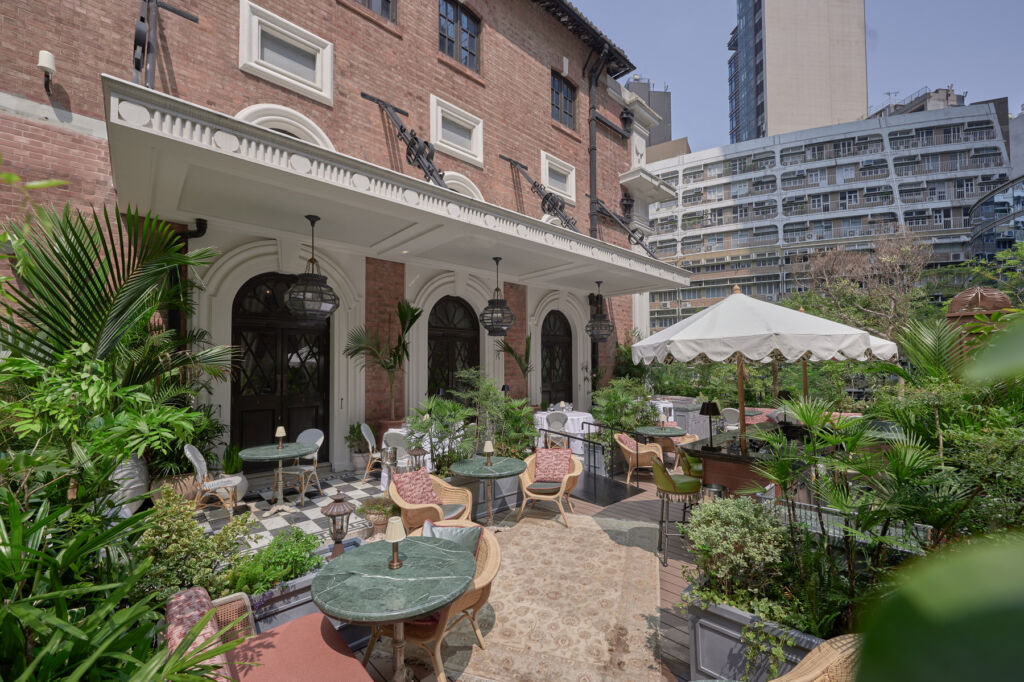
(307, 517)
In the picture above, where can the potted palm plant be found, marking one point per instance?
(383, 352)
(522, 360)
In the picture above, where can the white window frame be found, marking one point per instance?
(549, 161)
(253, 21)
(439, 110)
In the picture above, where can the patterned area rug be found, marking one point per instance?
(574, 605)
(307, 517)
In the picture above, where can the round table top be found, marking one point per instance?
(501, 467)
(661, 431)
(358, 586)
(270, 453)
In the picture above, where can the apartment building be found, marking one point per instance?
(795, 65)
(751, 213)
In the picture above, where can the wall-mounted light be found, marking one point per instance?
(48, 65)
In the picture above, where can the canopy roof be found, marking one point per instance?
(759, 330)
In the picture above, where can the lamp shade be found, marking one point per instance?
(395, 532)
(280, 433)
(709, 410)
(488, 446)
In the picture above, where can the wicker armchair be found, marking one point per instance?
(834, 660)
(637, 455)
(223, 488)
(429, 635)
(671, 444)
(456, 503)
(533, 490)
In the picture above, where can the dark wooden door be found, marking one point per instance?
(283, 375)
(453, 343)
(555, 358)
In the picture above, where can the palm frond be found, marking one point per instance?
(934, 348)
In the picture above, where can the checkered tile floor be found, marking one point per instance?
(306, 517)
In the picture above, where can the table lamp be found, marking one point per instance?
(488, 450)
(394, 533)
(710, 410)
(279, 435)
(338, 512)
(561, 406)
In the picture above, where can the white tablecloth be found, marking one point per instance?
(385, 474)
(573, 427)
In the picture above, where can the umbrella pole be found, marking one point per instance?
(806, 392)
(775, 379)
(743, 408)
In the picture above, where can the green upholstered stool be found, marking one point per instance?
(672, 488)
(692, 466)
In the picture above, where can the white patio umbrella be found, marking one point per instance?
(747, 328)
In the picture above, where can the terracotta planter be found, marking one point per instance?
(183, 484)
(385, 424)
(379, 520)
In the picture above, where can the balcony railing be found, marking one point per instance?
(947, 166)
(869, 174)
(955, 138)
(930, 223)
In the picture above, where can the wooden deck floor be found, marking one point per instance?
(675, 630)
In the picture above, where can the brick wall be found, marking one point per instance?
(520, 45)
(515, 296)
(385, 287)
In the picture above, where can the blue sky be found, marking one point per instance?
(974, 44)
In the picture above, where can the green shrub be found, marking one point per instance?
(442, 427)
(622, 405)
(381, 505)
(288, 556)
(232, 460)
(354, 438)
(182, 555)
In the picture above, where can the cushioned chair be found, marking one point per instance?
(394, 439)
(373, 459)
(304, 469)
(456, 503)
(557, 492)
(224, 488)
(690, 465)
(672, 443)
(556, 421)
(637, 455)
(731, 417)
(672, 488)
(834, 660)
(430, 632)
(310, 642)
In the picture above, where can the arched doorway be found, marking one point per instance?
(283, 371)
(555, 358)
(453, 342)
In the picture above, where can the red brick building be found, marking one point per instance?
(252, 117)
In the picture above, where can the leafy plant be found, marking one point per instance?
(379, 350)
(507, 422)
(182, 555)
(622, 406)
(354, 438)
(232, 460)
(522, 360)
(442, 427)
(378, 505)
(288, 556)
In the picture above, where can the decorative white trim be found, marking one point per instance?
(279, 117)
(439, 110)
(457, 182)
(548, 162)
(253, 22)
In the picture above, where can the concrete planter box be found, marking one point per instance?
(506, 494)
(291, 599)
(717, 650)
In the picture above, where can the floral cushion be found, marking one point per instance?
(184, 610)
(415, 487)
(626, 441)
(552, 464)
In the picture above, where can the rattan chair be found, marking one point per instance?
(534, 490)
(456, 503)
(731, 417)
(672, 443)
(834, 660)
(224, 488)
(429, 635)
(555, 421)
(304, 473)
(373, 458)
(637, 455)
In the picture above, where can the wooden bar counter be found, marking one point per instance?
(726, 465)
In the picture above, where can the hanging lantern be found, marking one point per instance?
(599, 327)
(497, 317)
(311, 297)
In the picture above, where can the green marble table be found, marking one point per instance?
(271, 453)
(661, 431)
(500, 467)
(358, 587)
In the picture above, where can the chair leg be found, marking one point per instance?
(435, 656)
(522, 509)
(568, 501)
(369, 467)
(233, 499)
(319, 487)
(476, 628)
(662, 531)
(629, 474)
(374, 636)
(565, 518)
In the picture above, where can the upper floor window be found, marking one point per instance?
(459, 34)
(563, 101)
(277, 50)
(385, 8)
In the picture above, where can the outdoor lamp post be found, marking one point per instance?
(279, 435)
(338, 511)
(394, 533)
(710, 410)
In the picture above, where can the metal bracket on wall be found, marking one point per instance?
(550, 203)
(635, 236)
(419, 153)
(144, 48)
